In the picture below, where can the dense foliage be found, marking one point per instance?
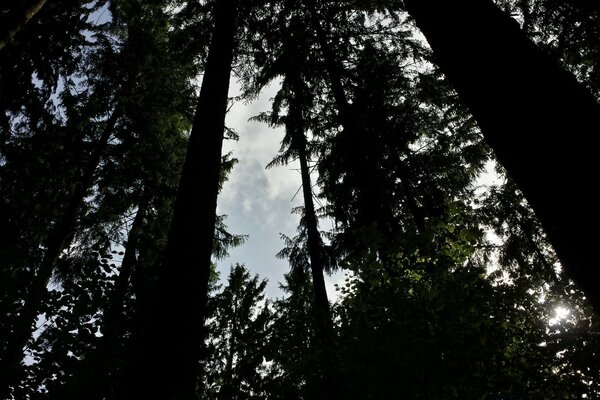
(452, 288)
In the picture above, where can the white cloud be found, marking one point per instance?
(258, 201)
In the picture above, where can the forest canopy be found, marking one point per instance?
(112, 122)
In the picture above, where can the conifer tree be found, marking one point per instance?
(169, 350)
(239, 329)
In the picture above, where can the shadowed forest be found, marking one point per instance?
(112, 122)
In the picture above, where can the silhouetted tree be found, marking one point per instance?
(533, 114)
(169, 352)
(239, 328)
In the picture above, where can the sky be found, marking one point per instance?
(258, 202)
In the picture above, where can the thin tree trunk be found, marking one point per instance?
(535, 116)
(114, 318)
(59, 238)
(94, 378)
(324, 322)
(17, 19)
(168, 365)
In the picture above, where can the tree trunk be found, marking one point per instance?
(114, 317)
(534, 115)
(95, 376)
(12, 353)
(324, 323)
(16, 19)
(167, 366)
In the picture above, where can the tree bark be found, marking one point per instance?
(16, 19)
(12, 353)
(534, 115)
(168, 366)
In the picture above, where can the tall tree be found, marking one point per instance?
(534, 115)
(294, 91)
(315, 249)
(112, 175)
(297, 94)
(239, 329)
(170, 348)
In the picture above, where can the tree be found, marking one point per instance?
(239, 325)
(179, 309)
(80, 177)
(293, 343)
(534, 115)
(295, 95)
(106, 180)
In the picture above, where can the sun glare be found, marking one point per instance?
(561, 313)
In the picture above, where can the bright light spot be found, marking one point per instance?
(561, 313)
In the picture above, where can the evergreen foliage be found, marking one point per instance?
(110, 167)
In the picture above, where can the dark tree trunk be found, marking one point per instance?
(113, 319)
(12, 353)
(168, 364)
(324, 323)
(16, 19)
(535, 116)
